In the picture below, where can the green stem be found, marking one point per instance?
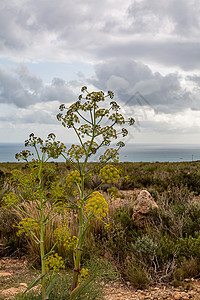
(84, 118)
(46, 220)
(78, 135)
(78, 252)
(23, 211)
(82, 230)
(86, 197)
(42, 232)
(35, 237)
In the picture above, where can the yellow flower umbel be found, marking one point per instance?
(10, 199)
(54, 263)
(84, 275)
(96, 206)
(63, 236)
(26, 226)
(73, 177)
(109, 174)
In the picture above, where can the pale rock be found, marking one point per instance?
(143, 205)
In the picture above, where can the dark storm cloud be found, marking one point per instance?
(12, 90)
(136, 84)
(23, 88)
(168, 52)
(57, 90)
(29, 79)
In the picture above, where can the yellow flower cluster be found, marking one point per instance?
(96, 205)
(93, 148)
(109, 174)
(75, 152)
(110, 154)
(102, 112)
(26, 226)
(107, 226)
(57, 191)
(73, 177)
(71, 243)
(62, 233)
(20, 179)
(84, 275)
(54, 262)
(95, 96)
(10, 199)
(63, 236)
(117, 118)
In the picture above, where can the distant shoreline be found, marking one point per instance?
(130, 153)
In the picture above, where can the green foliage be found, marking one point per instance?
(137, 274)
(36, 187)
(144, 249)
(61, 290)
(166, 249)
(87, 117)
(192, 220)
(103, 267)
(189, 246)
(124, 218)
(162, 176)
(187, 269)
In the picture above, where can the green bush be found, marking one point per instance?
(189, 246)
(137, 275)
(166, 249)
(144, 249)
(191, 223)
(61, 289)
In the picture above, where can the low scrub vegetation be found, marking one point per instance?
(166, 250)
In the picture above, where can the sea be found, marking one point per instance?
(129, 153)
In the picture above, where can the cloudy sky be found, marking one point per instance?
(147, 52)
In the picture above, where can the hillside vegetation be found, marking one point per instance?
(166, 249)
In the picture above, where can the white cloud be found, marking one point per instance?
(135, 83)
(164, 32)
(117, 83)
(23, 88)
(147, 52)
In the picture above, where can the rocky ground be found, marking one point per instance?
(118, 291)
(14, 274)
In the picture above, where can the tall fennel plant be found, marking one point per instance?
(96, 124)
(35, 185)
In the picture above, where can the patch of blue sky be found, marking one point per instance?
(47, 70)
(6, 62)
(67, 71)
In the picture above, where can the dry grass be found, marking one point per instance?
(49, 238)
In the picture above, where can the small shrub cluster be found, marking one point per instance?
(162, 176)
(61, 290)
(167, 249)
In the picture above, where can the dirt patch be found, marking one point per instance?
(118, 291)
(15, 275)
